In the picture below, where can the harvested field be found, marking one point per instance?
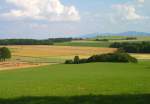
(38, 55)
(141, 56)
(17, 65)
(45, 51)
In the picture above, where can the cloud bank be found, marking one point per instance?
(51, 10)
(129, 11)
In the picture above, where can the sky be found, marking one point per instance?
(42, 19)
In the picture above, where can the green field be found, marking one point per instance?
(93, 43)
(95, 83)
(123, 38)
(84, 44)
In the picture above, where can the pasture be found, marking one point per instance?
(84, 43)
(91, 42)
(124, 38)
(94, 83)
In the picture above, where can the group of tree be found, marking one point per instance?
(111, 39)
(60, 40)
(118, 56)
(33, 41)
(4, 53)
(133, 47)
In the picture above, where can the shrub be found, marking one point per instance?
(118, 56)
(106, 40)
(83, 61)
(69, 62)
(76, 60)
(112, 57)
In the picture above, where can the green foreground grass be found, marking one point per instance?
(95, 83)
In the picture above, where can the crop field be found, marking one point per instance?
(142, 56)
(123, 38)
(30, 56)
(56, 51)
(83, 43)
(94, 83)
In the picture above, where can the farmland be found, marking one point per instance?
(84, 43)
(73, 84)
(36, 75)
(45, 51)
(74, 51)
(31, 56)
(103, 43)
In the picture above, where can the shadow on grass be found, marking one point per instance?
(90, 99)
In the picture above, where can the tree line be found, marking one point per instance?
(133, 47)
(50, 41)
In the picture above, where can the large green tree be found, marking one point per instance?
(4, 53)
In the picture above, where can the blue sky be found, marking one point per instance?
(66, 18)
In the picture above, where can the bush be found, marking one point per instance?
(113, 57)
(118, 56)
(69, 62)
(76, 60)
(106, 40)
(83, 61)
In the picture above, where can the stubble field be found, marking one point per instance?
(37, 55)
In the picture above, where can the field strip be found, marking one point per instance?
(47, 51)
(141, 56)
(24, 66)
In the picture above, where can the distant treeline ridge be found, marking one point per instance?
(133, 47)
(33, 41)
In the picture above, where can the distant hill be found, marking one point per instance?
(128, 33)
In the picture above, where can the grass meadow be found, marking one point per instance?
(93, 83)
(111, 39)
(84, 44)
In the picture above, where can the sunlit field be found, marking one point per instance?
(31, 56)
(72, 84)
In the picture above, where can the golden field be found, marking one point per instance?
(56, 51)
(38, 55)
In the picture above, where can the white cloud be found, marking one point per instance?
(128, 12)
(141, 1)
(52, 10)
